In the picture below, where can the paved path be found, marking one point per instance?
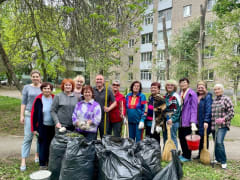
(11, 145)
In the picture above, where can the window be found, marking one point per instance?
(147, 56)
(187, 10)
(79, 64)
(208, 75)
(131, 43)
(130, 60)
(161, 75)
(160, 35)
(146, 75)
(148, 19)
(130, 76)
(210, 4)
(165, 13)
(160, 55)
(236, 49)
(148, 2)
(117, 76)
(208, 28)
(147, 38)
(209, 51)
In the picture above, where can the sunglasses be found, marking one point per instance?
(115, 84)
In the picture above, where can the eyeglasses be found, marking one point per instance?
(115, 85)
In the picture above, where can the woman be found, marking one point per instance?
(204, 113)
(79, 82)
(87, 115)
(188, 117)
(222, 114)
(29, 93)
(63, 105)
(157, 103)
(42, 122)
(173, 110)
(136, 111)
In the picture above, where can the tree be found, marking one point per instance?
(226, 39)
(225, 6)
(33, 36)
(184, 50)
(97, 30)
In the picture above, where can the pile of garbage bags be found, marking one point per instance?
(109, 159)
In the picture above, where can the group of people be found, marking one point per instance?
(87, 110)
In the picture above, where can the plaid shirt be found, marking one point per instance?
(222, 107)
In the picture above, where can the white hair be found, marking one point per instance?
(219, 85)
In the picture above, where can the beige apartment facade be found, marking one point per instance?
(143, 58)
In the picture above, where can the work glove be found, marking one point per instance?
(194, 127)
(220, 120)
(158, 129)
(141, 125)
(62, 129)
(125, 121)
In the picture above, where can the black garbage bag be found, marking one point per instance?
(57, 150)
(149, 152)
(172, 171)
(117, 160)
(78, 161)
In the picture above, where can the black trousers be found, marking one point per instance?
(101, 126)
(116, 128)
(182, 133)
(155, 135)
(44, 140)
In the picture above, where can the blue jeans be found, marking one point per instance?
(174, 129)
(220, 153)
(28, 136)
(134, 132)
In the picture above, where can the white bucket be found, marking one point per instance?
(40, 175)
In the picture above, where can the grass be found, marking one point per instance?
(9, 169)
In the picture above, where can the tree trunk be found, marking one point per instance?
(9, 67)
(39, 41)
(235, 89)
(201, 39)
(166, 55)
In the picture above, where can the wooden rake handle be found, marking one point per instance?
(205, 139)
(169, 132)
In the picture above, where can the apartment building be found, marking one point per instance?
(143, 58)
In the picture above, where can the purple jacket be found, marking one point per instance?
(189, 109)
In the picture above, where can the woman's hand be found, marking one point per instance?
(89, 122)
(169, 122)
(205, 125)
(22, 119)
(58, 125)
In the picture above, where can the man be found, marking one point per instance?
(188, 119)
(99, 96)
(117, 114)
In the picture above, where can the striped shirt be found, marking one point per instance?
(222, 107)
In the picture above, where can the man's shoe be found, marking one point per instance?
(183, 159)
(215, 162)
(224, 166)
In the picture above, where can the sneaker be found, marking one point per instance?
(183, 159)
(23, 168)
(43, 168)
(215, 162)
(36, 160)
(224, 166)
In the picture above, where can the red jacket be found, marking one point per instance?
(114, 114)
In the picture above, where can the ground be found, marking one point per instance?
(11, 140)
